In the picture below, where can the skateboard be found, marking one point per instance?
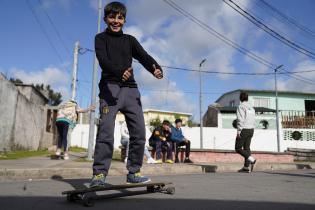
(88, 195)
(56, 157)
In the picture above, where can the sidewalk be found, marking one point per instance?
(45, 168)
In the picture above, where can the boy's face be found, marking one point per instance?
(166, 127)
(115, 22)
(178, 125)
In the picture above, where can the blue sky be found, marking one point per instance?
(168, 36)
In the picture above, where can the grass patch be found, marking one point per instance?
(77, 149)
(13, 155)
(116, 155)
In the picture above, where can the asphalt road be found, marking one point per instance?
(261, 190)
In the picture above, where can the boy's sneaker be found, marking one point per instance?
(187, 160)
(66, 156)
(151, 161)
(58, 152)
(98, 181)
(169, 161)
(137, 178)
(159, 161)
(252, 165)
(176, 160)
(244, 170)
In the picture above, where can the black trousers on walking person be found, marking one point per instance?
(62, 128)
(242, 144)
(114, 98)
(180, 144)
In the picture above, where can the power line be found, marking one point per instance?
(268, 30)
(56, 30)
(297, 77)
(288, 19)
(43, 30)
(219, 35)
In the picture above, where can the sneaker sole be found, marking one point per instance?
(139, 182)
(252, 166)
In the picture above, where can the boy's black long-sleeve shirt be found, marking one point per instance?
(114, 51)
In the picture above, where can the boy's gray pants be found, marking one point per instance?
(114, 98)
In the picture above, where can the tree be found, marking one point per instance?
(16, 80)
(191, 123)
(156, 122)
(55, 98)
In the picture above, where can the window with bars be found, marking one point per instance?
(262, 102)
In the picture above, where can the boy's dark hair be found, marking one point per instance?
(166, 122)
(178, 121)
(115, 7)
(243, 96)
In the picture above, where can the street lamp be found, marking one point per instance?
(200, 103)
(277, 109)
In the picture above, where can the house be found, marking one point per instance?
(32, 93)
(287, 100)
(224, 117)
(153, 114)
(24, 118)
(297, 109)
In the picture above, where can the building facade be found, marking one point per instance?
(154, 114)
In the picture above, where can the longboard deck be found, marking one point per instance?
(87, 195)
(116, 187)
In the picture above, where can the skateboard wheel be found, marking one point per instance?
(170, 190)
(71, 198)
(87, 201)
(150, 189)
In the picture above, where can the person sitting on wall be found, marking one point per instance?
(179, 140)
(159, 139)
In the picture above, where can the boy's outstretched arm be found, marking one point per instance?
(145, 59)
(104, 62)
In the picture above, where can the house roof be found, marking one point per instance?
(36, 90)
(266, 91)
(168, 112)
(232, 109)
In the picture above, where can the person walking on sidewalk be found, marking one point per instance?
(245, 130)
(67, 117)
(125, 142)
(119, 92)
(179, 140)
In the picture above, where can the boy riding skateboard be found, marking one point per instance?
(118, 92)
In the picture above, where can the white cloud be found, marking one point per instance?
(175, 41)
(289, 83)
(65, 4)
(57, 78)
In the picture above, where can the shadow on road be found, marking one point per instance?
(31, 203)
(307, 175)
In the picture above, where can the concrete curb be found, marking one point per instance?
(158, 169)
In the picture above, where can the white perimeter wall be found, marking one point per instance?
(214, 138)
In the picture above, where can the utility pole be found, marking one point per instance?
(200, 103)
(93, 95)
(75, 70)
(277, 109)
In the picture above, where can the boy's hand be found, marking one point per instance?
(92, 107)
(127, 74)
(157, 72)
